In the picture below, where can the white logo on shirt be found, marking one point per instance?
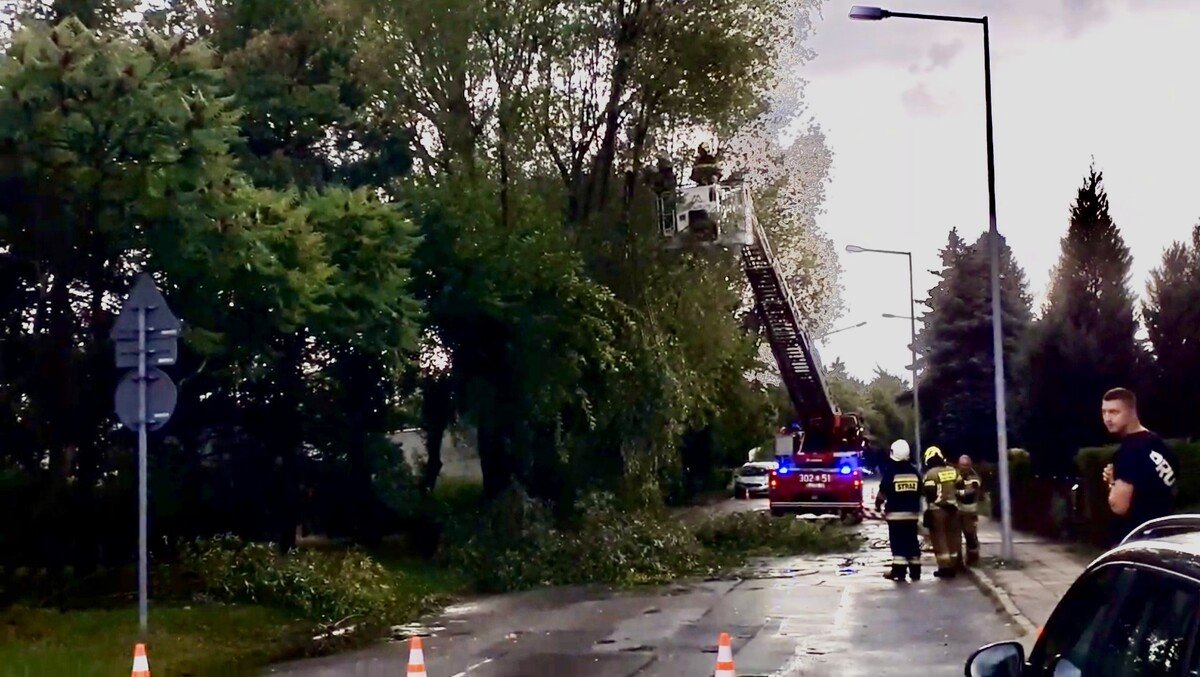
(1165, 472)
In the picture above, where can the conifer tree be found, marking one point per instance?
(1172, 317)
(1085, 342)
(957, 382)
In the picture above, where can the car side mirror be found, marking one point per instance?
(1004, 659)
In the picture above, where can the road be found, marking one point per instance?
(831, 615)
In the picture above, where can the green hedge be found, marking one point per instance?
(1091, 461)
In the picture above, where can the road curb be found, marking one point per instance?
(999, 595)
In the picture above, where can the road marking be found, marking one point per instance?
(480, 664)
(794, 665)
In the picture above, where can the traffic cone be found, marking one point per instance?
(724, 657)
(416, 658)
(141, 666)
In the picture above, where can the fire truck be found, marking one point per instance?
(821, 455)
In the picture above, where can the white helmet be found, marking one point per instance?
(900, 451)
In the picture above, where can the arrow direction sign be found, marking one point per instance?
(161, 396)
(161, 328)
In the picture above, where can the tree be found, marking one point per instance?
(1084, 343)
(878, 402)
(957, 380)
(1172, 316)
(120, 153)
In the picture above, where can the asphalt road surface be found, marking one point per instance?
(832, 615)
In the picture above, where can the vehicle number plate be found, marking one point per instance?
(810, 479)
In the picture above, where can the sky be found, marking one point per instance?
(901, 103)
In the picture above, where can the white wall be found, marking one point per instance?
(460, 455)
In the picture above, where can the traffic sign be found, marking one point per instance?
(161, 327)
(161, 396)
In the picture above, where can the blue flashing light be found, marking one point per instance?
(845, 470)
(782, 470)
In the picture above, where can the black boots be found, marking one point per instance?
(914, 571)
(896, 574)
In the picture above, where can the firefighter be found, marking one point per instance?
(941, 517)
(968, 494)
(899, 490)
(706, 169)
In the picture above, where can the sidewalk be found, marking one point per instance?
(1029, 589)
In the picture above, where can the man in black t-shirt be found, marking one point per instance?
(1143, 475)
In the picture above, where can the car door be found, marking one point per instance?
(1138, 621)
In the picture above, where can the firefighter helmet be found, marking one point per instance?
(900, 451)
(933, 452)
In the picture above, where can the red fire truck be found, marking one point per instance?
(820, 463)
(820, 473)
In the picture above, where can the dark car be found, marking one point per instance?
(1133, 611)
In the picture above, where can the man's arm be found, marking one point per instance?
(1120, 497)
(1121, 483)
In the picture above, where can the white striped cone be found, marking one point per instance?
(416, 658)
(141, 665)
(724, 657)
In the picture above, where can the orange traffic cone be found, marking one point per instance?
(725, 657)
(141, 666)
(416, 658)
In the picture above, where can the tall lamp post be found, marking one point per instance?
(912, 346)
(862, 13)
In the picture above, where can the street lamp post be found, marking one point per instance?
(912, 309)
(835, 331)
(877, 14)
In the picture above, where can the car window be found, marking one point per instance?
(1078, 620)
(1150, 620)
(753, 471)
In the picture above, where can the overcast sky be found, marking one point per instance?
(901, 102)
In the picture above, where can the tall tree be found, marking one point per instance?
(1085, 341)
(1172, 316)
(957, 382)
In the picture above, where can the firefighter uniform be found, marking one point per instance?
(968, 494)
(900, 491)
(941, 517)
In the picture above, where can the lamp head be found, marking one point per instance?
(861, 13)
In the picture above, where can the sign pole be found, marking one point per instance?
(145, 337)
(143, 415)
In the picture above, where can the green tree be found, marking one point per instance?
(1172, 316)
(120, 151)
(1084, 343)
(957, 386)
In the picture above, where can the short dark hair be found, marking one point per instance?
(1122, 394)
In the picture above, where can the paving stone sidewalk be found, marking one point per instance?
(1030, 588)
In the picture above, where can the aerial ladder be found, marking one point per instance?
(820, 455)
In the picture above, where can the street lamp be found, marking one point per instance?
(875, 14)
(835, 331)
(912, 309)
(899, 317)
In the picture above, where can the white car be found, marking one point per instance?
(753, 479)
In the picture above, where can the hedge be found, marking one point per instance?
(1091, 462)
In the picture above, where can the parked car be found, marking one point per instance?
(753, 479)
(1133, 611)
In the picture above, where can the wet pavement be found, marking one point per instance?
(832, 615)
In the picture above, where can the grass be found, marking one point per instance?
(197, 640)
(208, 638)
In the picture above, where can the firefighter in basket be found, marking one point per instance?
(941, 515)
(900, 492)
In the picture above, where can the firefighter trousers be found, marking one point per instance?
(906, 547)
(943, 531)
(970, 533)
